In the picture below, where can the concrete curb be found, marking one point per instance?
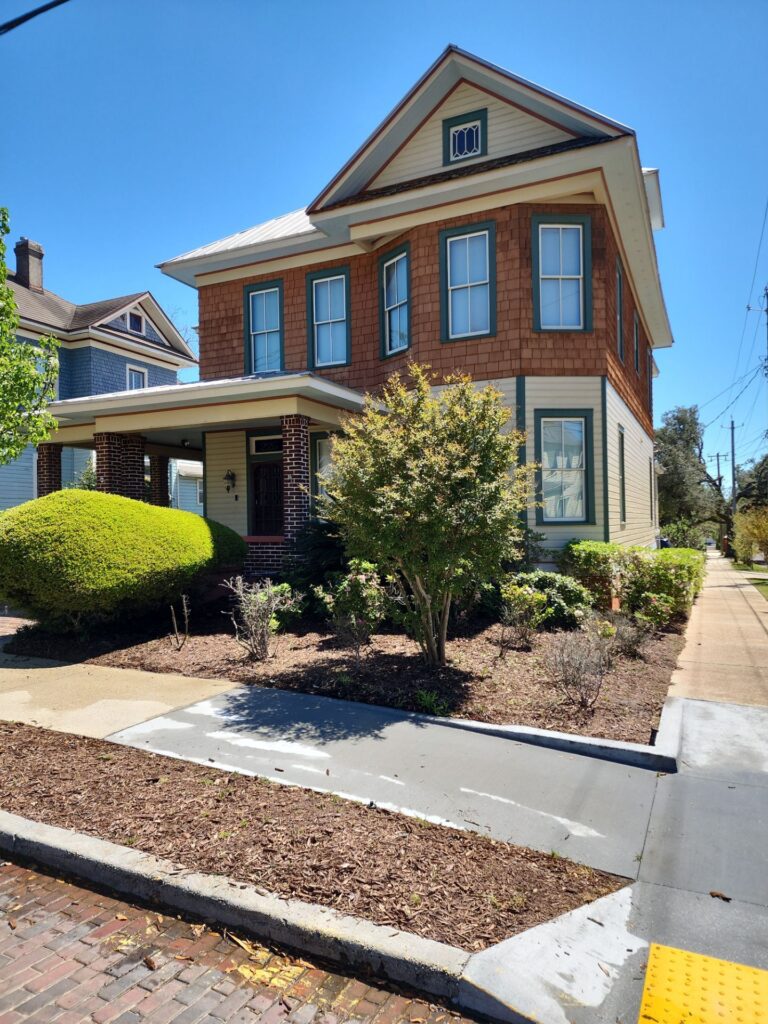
(431, 967)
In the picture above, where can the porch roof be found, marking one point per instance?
(173, 418)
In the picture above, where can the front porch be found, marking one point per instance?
(261, 441)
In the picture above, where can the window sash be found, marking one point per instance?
(470, 286)
(547, 321)
(397, 309)
(572, 477)
(266, 341)
(459, 129)
(622, 478)
(329, 321)
(137, 379)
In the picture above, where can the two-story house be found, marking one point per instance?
(487, 225)
(121, 344)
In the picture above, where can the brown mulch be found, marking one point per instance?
(442, 883)
(477, 684)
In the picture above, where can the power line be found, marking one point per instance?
(8, 26)
(709, 401)
(749, 296)
(733, 401)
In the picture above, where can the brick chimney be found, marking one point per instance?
(29, 264)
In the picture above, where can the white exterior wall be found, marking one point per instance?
(639, 527)
(568, 393)
(509, 131)
(226, 450)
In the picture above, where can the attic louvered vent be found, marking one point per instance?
(465, 136)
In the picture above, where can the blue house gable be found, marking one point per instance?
(112, 345)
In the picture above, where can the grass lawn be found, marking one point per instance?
(755, 567)
(442, 883)
(476, 684)
(762, 586)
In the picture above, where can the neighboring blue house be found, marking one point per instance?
(121, 344)
(187, 485)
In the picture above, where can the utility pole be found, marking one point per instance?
(719, 477)
(733, 467)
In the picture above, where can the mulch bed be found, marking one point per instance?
(441, 883)
(477, 684)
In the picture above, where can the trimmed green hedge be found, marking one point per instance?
(81, 553)
(607, 569)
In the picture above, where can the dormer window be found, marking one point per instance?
(465, 136)
(136, 323)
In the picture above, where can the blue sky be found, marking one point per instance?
(137, 129)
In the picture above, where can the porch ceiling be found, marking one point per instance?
(177, 416)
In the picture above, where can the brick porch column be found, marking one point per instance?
(120, 464)
(295, 431)
(133, 467)
(48, 468)
(158, 480)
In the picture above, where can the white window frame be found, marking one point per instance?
(339, 320)
(128, 316)
(135, 369)
(456, 158)
(395, 305)
(562, 277)
(254, 334)
(472, 284)
(581, 469)
(200, 488)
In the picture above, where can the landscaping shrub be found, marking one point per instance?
(685, 534)
(256, 613)
(655, 610)
(75, 555)
(577, 663)
(316, 557)
(630, 637)
(676, 573)
(356, 604)
(750, 532)
(523, 611)
(596, 565)
(567, 600)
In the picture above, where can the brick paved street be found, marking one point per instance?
(68, 954)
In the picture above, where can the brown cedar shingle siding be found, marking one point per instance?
(515, 350)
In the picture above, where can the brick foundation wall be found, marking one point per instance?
(515, 350)
(48, 469)
(265, 559)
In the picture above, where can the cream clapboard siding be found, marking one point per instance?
(509, 131)
(568, 393)
(226, 450)
(638, 453)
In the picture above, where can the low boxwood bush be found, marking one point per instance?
(75, 555)
(596, 565)
(567, 600)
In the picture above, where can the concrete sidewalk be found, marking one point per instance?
(726, 653)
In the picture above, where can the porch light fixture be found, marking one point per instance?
(229, 479)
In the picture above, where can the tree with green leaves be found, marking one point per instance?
(686, 491)
(28, 372)
(427, 485)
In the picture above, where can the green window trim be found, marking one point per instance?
(454, 122)
(589, 454)
(311, 278)
(467, 229)
(566, 219)
(619, 310)
(248, 291)
(622, 477)
(401, 250)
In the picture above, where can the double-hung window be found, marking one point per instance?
(136, 378)
(468, 277)
(328, 318)
(622, 478)
(636, 341)
(395, 325)
(562, 271)
(265, 329)
(563, 451)
(619, 311)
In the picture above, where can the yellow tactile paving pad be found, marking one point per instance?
(688, 988)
